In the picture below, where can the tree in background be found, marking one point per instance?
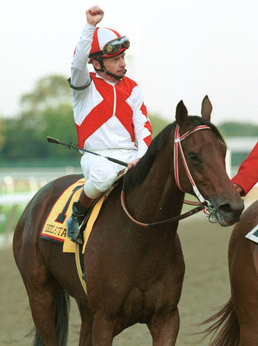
(236, 129)
(158, 123)
(2, 133)
(49, 92)
(45, 111)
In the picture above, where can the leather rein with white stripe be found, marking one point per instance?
(177, 145)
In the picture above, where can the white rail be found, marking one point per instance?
(13, 201)
(15, 198)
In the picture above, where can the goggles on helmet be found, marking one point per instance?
(112, 47)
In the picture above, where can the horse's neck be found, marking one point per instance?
(158, 197)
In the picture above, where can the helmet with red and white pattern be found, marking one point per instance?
(107, 43)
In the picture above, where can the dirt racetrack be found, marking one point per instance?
(206, 287)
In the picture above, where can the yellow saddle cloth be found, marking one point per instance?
(55, 225)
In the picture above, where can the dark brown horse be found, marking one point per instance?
(133, 274)
(237, 320)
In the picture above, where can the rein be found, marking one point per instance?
(152, 224)
(200, 206)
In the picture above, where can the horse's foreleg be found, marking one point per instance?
(103, 330)
(164, 329)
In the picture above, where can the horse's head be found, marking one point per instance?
(200, 167)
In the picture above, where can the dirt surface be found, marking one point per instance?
(206, 287)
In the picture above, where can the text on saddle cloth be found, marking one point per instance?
(55, 225)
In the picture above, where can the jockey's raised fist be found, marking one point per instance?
(94, 15)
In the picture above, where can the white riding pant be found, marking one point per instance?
(100, 173)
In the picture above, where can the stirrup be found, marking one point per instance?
(74, 222)
(74, 230)
(77, 238)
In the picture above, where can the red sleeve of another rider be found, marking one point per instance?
(247, 175)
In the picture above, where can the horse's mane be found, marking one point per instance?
(137, 174)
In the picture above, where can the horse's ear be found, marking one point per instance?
(181, 113)
(206, 108)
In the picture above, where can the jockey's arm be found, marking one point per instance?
(79, 70)
(142, 125)
(247, 175)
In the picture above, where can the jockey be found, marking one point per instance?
(247, 175)
(110, 115)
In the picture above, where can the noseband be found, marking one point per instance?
(177, 145)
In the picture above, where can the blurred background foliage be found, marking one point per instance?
(47, 111)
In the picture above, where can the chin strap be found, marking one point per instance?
(114, 75)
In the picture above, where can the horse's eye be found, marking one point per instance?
(192, 156)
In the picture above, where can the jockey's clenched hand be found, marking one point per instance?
(94, 15)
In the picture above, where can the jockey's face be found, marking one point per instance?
(115, 65)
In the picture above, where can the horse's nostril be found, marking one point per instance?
(226, 208)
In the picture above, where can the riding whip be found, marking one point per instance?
(71, 146)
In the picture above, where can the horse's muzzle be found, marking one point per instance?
(228, 213)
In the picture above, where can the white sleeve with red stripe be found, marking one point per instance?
(79, 69)
(142, 125)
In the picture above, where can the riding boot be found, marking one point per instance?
(80, 209)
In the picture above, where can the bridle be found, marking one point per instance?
(177, 145)
(177, 148)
